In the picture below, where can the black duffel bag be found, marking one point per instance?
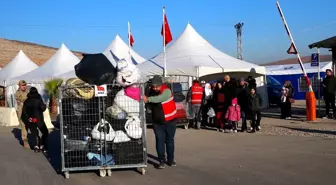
(95, 69)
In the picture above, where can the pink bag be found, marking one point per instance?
(133, 92)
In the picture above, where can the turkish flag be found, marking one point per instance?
(168, 36)
(130, 39)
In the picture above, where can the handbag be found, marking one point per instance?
(211, 113)
(291, 100)
(103, 130)
(133, 128)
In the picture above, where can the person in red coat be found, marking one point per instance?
(195, 96)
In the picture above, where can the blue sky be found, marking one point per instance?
(90, 26)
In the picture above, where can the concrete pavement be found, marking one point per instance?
(203, 157)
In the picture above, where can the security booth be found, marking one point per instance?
(329, 43)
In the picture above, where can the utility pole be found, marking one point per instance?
(239, 29)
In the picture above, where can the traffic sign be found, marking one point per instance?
(315, 60)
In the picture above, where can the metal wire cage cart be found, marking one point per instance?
(102, 128)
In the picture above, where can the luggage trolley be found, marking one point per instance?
(102, 128)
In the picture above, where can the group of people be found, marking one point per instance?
(222, 105)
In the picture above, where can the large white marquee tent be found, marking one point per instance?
(192, 55)
(20, 65)
(61, 62)
(118, 50)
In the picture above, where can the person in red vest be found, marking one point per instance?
(163, 115)
(195, 96)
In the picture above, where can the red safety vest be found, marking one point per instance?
(196, 94)
(168, 106)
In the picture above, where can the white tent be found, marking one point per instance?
(192, 55)
(289, 69)
(61, 62)
(20, 65)
(118, 50)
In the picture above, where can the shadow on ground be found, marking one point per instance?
(298, 113)
(54, 152)
(17, 134)
(314, 131)
(153, 160)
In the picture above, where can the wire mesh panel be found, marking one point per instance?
(303, 87)
(102, 127)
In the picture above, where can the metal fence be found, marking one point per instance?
(303, 87)
(102, 128)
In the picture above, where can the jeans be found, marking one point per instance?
(243, 116)
(196, 115)
(164, 136)
(256, 122)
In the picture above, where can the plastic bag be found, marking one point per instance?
(115, 112)
(128, 73)
(211, 113)
(121, 137)
(101, 128)
(133, 128)
(95, 69)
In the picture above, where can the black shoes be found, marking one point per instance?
(161, 165)
(36, 149)
(173, 163)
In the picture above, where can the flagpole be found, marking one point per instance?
(164, 43)
(129, 42)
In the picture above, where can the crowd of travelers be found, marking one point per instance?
(222, 105)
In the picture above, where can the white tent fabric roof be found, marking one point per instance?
(296, 68)
(61, 62)
(120, 49)
(20, 65)
(192, 55)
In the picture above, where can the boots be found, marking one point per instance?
(26, 144)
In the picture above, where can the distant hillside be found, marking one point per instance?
(37, 53)
(305, 59)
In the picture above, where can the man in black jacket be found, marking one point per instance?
(242, 96)
(329, 87)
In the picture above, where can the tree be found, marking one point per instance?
(51, 87)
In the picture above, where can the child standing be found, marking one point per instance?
(254, 105)
(233, 115)
(285, 104)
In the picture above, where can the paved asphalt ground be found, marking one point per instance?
(203, 157)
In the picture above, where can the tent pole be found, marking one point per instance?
(129, 42)
(164, 44)
(319, 82)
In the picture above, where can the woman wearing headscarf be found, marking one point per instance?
(32, 116)
(207, 103)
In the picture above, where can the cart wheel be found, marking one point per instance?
(142, 171)
(67, 175)
(102, 173)
(109, 173)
